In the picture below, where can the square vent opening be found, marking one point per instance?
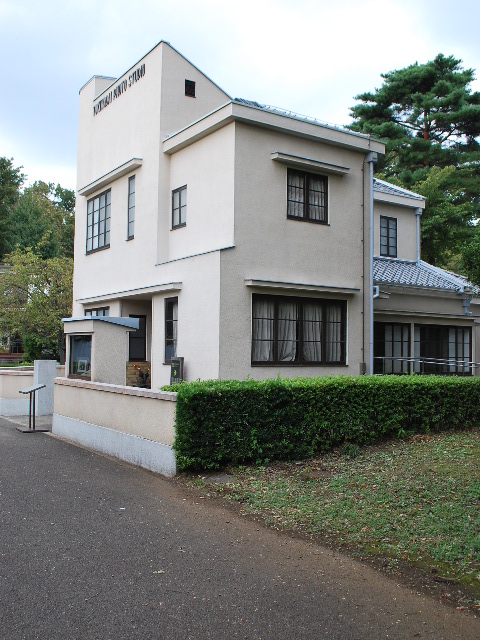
(190, 88)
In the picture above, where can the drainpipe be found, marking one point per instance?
(371, 159)
(418, 213)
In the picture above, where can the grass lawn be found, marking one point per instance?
(416, 500)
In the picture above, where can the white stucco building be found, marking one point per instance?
(249, 240)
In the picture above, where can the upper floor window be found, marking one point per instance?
(131, 207)
(97, 311)
(179, 207)
(98, 222)
(388, 237)
(298, 331)
(190, 88)
(307, 196)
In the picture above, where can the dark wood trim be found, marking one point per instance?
(306, 190)
(324, 303)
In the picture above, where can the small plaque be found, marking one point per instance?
(176, 370)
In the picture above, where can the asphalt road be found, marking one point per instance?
(91, 548)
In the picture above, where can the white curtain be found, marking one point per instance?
(295, 195)
(312, 332)
(334, 333)
(317, 197)
(263, 330)
(287, 331)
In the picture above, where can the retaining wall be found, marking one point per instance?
(135, 425)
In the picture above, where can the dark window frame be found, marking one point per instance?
(382, 363)
(96, 226)
(99, 312)
(132, 337)
(390, 249)
(181, 191)
(190, 87)
(307, 206)
(170, 334)
(324, 303)
(131, 209)
(432, 345)
(77, 376)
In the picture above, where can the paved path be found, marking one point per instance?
(91, 548)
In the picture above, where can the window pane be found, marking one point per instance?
(80, 355)
(287, 331)
(295, 194)
(312, 332)
(171, 322)
(334, 341)
(317, 198)
(263, 328)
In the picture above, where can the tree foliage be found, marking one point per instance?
(430, 120)
(471, 258)
(35, 294)
(11, 181)
(43, 220)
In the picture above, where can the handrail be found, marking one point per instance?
(460, 366)
(31, 403)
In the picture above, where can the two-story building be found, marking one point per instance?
(249, 240)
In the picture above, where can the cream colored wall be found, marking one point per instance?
(406, 229)
(118, 408)
(12, 382)
(198, 319)
(134, 126)
(207, 168)
(271, 247)
(178, 111)
(438, 309)
(129, 127)
(109, 349)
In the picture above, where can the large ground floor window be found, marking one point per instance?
(392, 347)
(298, 331)
(437, 349)
(443, 350)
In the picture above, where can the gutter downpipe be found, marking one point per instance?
(418, 213)
(371, 159)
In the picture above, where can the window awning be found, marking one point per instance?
(309, 163)
(111, 176)
(300, 286)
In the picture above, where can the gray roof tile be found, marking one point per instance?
(385, 187)
(419, 274)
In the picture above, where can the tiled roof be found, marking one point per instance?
(391, 189)
(419, 274)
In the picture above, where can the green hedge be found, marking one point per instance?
(231, 422)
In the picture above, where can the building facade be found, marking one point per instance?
(249, 240)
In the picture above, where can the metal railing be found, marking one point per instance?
(390, 365)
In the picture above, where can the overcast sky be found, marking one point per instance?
(310, 56)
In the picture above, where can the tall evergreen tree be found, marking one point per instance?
(430, 118)
(11, 181)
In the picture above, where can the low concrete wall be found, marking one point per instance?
(15, 379)
(135, 425)
(12, 381)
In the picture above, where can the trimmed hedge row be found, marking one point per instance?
(232, 422)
